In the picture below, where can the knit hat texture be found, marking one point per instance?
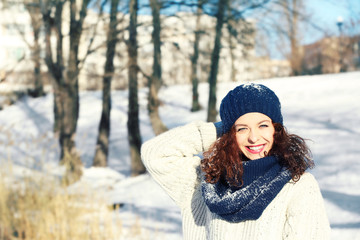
(248, 98)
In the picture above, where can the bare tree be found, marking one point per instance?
(56, 65)
(65, 77)
(155, 81)
(36, 22)
(212, 112)
(232, 46)
(292, 11)
(102, 144)
(134, 136)
(195, 106)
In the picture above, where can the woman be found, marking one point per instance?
(251, 183)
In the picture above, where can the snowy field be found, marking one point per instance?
(324, 109)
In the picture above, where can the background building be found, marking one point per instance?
(332, 55)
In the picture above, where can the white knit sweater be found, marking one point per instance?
(297, 212)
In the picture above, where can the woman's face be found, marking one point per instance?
(254, 134)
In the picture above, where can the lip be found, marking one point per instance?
(259, 148)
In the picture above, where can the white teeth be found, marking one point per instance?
(256, 148)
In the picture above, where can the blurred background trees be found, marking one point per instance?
(102, 143)
(66, 46)
(133, 125)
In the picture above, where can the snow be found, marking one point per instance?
(324, 109)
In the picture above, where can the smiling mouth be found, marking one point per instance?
(255, 149)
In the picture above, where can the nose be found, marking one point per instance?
(253, 136)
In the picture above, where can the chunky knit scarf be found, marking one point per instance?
(263, 179)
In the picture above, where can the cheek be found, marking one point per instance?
(270, 136)
(240, 140)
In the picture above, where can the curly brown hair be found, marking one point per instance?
(224, 159)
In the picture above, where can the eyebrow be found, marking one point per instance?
(262, 121)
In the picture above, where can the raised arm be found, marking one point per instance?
(171, 158)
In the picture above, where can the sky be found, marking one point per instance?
(327, 12)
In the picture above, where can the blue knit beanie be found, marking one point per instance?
(248, 98)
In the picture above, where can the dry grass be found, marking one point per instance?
(42, 209)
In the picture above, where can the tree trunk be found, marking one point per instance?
(195, 106)
(66, 89)
(157, 71)
(134, 137)
(295, 56)
(70, 94)
(155, 81)
(212, 112)
(231, 50)
(36, 21)
(38, 84)
(55, 67)
(153, 108)
(102, 144)
(291, 8)
(69, 115)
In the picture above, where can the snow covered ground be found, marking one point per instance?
(324, 109)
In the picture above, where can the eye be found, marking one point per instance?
(264, 125)
(241, 129)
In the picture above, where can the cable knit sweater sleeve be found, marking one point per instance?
(171, 158)
(306, 215)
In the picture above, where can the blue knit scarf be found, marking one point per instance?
(263, 180)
